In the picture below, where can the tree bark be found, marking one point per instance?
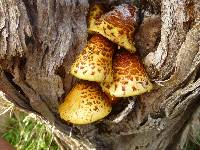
(39, 41)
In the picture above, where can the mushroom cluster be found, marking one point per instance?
(110, 72)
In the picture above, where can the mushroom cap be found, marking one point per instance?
(129, 76)
(112, 99)
(85, 103)
(118, 26)
(95, 12)
(95, 61)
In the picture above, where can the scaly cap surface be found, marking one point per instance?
(129, 76)
(95, 61)
(118, 26)
(86, 103)
(95, 12)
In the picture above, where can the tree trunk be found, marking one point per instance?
(39, 40)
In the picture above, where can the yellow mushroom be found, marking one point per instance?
(112, 99)
(129, 76)
(95, 12)
(118, 26)
(95, 61)
(86, 103)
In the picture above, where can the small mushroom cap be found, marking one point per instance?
(95, 12)
(112, 99)
(129, 76)
(86, 103)
(118, 26)
(95, 61)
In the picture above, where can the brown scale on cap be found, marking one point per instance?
(123, 16)
(129, 76)
(95, 61)
(95, 12)
(118, 26)
(86, 103)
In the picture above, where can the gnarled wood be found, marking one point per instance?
(40, 39)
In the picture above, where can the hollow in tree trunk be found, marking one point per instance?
(39, 41)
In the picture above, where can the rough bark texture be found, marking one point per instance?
(39, 39)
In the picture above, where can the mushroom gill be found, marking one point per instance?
(129, 76)
(86, 103)
(118, 25)
(95, 61)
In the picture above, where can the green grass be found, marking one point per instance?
(193, 143)
(26, 133)
(191, 146)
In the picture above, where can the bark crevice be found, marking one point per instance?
(39, 40)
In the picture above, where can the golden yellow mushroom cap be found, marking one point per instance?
(95, 61)
(86, 103)
(129, 76)
(95, 12)
(118, 26)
